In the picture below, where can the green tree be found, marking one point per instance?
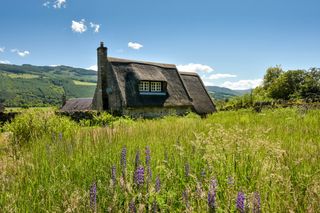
(272, 74)
(310, 89)
(287, 85)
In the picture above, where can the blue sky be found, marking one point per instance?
(228, 42)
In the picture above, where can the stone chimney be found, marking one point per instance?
(100, 100)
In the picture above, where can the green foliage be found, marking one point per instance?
(33, 124)
(275, 153)
(272, 74)
(290, 85)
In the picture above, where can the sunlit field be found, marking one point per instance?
(230, 161)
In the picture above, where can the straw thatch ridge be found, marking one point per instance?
(201, 99)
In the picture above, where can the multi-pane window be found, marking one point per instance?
(155, 86)
(150, 86)
(144, 86)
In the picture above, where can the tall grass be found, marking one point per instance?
(273, 155)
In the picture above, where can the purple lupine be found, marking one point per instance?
(139, 176)
(137, 160)
(213, 184)
(212, 195)
(113, 175)
(185, 198)
(148, 156)
(158, 184)
(93, 196)
(187, 169)
(123, 160)
(149, 173)
(132, 207)
(256, 203)
(212, 200)
(240, 205)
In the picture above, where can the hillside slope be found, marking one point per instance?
(29, 85)
(220, 93)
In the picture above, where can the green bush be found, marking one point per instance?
(33, 124)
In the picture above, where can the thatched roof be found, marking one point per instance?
(201, 100)
(129, 73)
(77, 104)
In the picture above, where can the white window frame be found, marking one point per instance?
(144, 86)
(155, 86)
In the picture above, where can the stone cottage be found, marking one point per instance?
(143, 89)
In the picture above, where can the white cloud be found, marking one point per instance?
(21, 53)
(242, 84)
(2, 49)
(59, 3)
(5, 62)
(79, 26)
(134, 45)
(96, 27)
(46, 4)
(221, 75)
(195, 68)
(54, 65)
(93, 67)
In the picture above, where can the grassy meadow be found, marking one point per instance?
(237, 161)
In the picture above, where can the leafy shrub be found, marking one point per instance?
(36, 123)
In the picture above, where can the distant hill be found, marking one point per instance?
(221, 93)
(29, 85)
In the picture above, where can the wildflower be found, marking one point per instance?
(158, 184)
(132, 207)
(212, 200)
(123, 158)
(137, 160)
(214, 184)
(139, 176)
(149, 173)
(113, 175)
(240, 205)
(256, 203)
(212, 195)
(148, 156)
(185, 198)
(93, 196)
(187, 169)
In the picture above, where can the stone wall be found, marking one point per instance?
(154, 112)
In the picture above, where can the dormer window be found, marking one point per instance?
(144, 86)
(155, 87)
(151, 88)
